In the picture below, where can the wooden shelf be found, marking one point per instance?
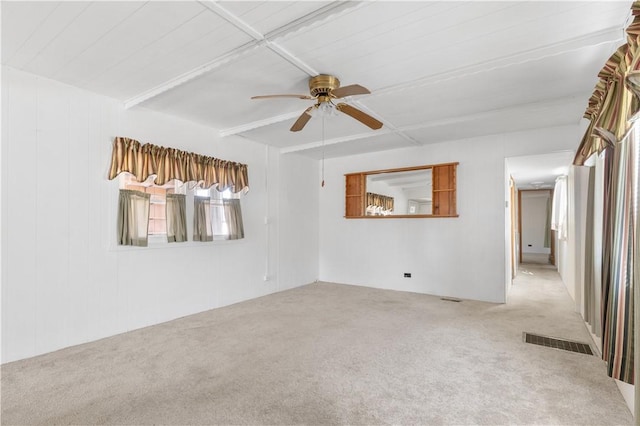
(443, 192)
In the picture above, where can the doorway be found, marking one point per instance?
(536, 242)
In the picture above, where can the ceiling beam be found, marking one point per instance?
(292, 59)
(334, 141)
(190, 75)
(258, 36)
(260, 123)
(387, 124)
(283, 117)
(609, 35)
(523, 108)
(225, 14)
(329, 11)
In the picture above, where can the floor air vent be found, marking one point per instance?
(450, 299)
(551, 342)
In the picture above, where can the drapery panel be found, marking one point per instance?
(636, 303)
(226, 219)
(559, 208)
(614, 130)
(591, 311)
(133, 218)
(218, 219)
(618, 332)
(176, 209)
(233, 217)
(202, 219)
(142, 161)
(547, 224)
(607, 227)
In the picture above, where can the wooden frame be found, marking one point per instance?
(443, 192)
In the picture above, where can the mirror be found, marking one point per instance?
(399, 193)
(410, 192)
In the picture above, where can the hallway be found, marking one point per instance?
(542, 305)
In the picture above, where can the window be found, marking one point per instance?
(223, 218)
(158, 213)
(163, 165)
(157, 201)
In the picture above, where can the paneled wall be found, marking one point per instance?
(461, 257)
(64, 281)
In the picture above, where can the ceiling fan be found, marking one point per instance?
(324, 89)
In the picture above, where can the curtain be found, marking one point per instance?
(547, 225)
(218, 218)
(618, 332)
(142, 161)
(379, 204)
(176, 218)
(233, 217)
(133, 218)
(124, 157)
(607, 202)
(614, 129)
(636, 300)
(598, 236)
(591, 311)
(202, 219)
(612, 103)
(559, 208)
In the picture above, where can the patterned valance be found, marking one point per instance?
(614, 101)
(166, 164)
(382, 201)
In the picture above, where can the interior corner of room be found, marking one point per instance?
(397, 156)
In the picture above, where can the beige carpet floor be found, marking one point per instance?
(540, 258)
(330, 354)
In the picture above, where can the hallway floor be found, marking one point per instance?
(539, 258)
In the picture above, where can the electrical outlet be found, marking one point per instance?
(407, 274)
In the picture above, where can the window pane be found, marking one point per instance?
(218, 221)
(202, 192)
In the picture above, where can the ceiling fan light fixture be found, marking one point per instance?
(324, 89)
(326, 109)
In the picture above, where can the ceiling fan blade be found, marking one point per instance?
(282, 96)
(361, 116)
(354, 89)
(302, 120)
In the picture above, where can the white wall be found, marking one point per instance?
(534, 221)
(570, 253)
(461, 257)
(65, 282)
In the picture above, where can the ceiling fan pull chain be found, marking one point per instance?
(323, 118)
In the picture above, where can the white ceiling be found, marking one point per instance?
(539, 171)
(438, 71)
